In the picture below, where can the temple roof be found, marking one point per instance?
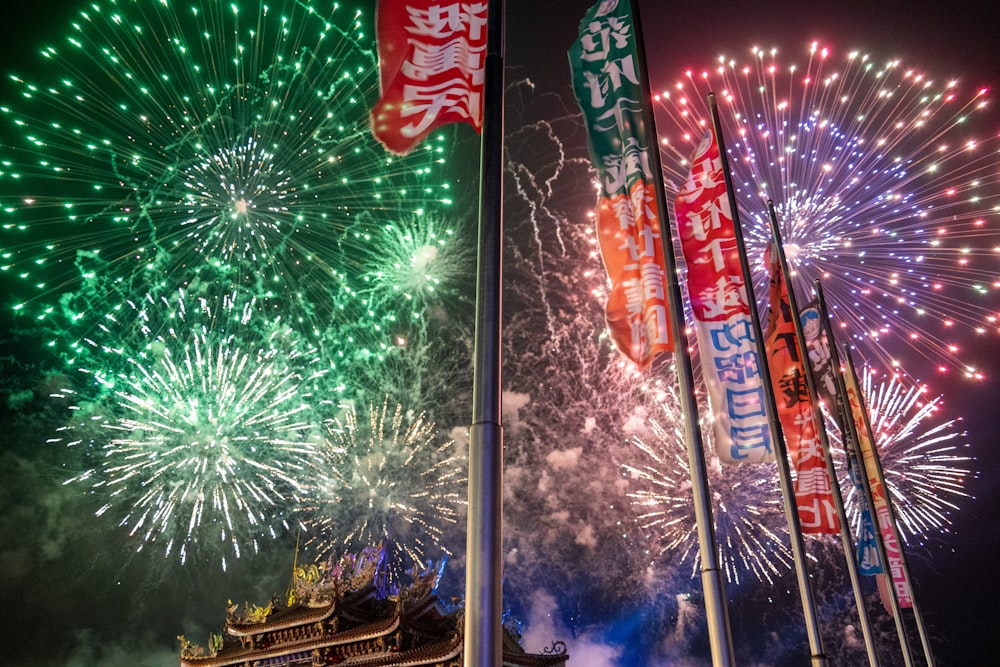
(238, 654)
(337, 615)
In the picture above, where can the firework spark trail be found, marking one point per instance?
(749, 518)
(567, 394)
(217, 159)
(197, 431)
(886, 187)
(571, 401)
(419, 272)
(574, 382)
(412, 264)
(412, 339)
(544, 176)
(386, 478)
(226, 140)
(925, 467)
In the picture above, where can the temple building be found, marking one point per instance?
(349, 614)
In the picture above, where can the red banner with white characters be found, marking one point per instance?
(883, 515)
(796, 412)
(431, 68)
(607, 87)
(726, 343)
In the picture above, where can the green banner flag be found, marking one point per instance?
(607, 87)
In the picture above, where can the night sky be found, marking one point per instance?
(77, 594)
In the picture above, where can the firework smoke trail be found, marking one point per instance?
(385, 478)
(922, 457)
(199, 434)
(570, 399)
(538, 162)
(837, 614)
(886, 187)
(230, 141)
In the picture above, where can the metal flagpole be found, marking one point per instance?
(483, 597)
(921, 629)
(897, 615)
(849, 433)
(713, 584)
(831, 471)
(777, 436)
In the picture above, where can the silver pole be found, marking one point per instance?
(838, 498)
(777, 436)
(483, 645)
(712, 582)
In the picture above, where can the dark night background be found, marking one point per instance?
(955, 581)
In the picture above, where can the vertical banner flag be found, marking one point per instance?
(606, 84)
(431, 56)
(726, 342)
(821, 363)
(881, 505)
(820, 356)
(798, 415)
(868, 561)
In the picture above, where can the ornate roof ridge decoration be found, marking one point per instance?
(280, 621)
(427, 654)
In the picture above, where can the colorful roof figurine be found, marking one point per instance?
(337, 613)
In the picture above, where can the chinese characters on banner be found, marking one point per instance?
(868, 560)
(431, 68)
(606, 83)
(813, 492)
(882, 514)
(821, 362)
(820, 356)
(721, 311)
